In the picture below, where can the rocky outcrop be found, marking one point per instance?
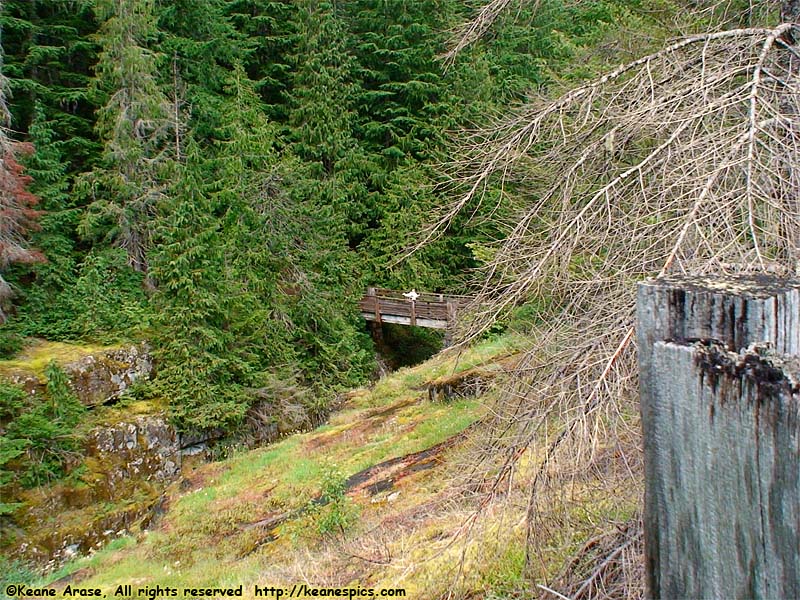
(117, 480)
(71, 535)
(146, 447)
(103, 377)
(461, 385)
(97, 378)
(30, 383)
(125, 469)
(470, 383)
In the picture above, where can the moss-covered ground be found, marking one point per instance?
(38, 353)
(252, 520)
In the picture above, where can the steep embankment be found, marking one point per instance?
(77, 463)
(367, 499)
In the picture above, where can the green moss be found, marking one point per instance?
(210, 534)
(89, 524)
(38, 353)
(126, 411)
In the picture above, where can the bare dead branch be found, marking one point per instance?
(723, 13)
(680, 161)
(475, 29)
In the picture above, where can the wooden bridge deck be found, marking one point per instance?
(428, 310)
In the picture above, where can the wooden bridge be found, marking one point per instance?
(425, 310)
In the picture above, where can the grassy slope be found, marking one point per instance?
(221, 525)
(209, 534)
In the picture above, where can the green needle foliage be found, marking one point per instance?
(49, 54)
(133, 124)
(192, 332)
(225, 177)
(335, 513)
(197, 44)
(38, 432)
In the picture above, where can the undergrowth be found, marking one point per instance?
(284, 513)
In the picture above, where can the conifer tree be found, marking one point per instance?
(324, 91)
(193, 340)
(47, 167)
(270, 36)
(17, 212)
(256, 218)
(396, 48)
(44, 310)
(49, 56)
(133, 125)
(286, 268)
(216, 263)
(199, 46)
(402, 98)
(323, 119)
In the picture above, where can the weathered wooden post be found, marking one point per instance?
(449, 330)
(376, 326)
(376, 304)
(719, 399)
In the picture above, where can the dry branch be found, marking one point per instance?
(723, 13)
(478, 26)
(680, 161)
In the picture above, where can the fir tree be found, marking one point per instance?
(216, 265)
(292, 276)
(199, 47)
(402, 97)
(324, 92)
(45, 310)
(16, 201)
(192, 303)
(49, 56)
(270, 36)
(133, 125)
(47, 167)
(257, 220)
(323, 119)
(402, 82)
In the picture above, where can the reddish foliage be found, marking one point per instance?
(18, 215)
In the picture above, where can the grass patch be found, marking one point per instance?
(36, 355)
(210, 533)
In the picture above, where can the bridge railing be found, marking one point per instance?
(430, 310)
(429, 297)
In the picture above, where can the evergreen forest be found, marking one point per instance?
(223, 178)
(216, 183)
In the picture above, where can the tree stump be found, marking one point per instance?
(719, 380)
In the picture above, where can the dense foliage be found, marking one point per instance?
(224, 177)
(38, 431)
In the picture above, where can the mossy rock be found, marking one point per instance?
(467, 384)
(102, 377)
(37, 354)
(146, 448)
(125, 470)
(50, 540)
(97, 374)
